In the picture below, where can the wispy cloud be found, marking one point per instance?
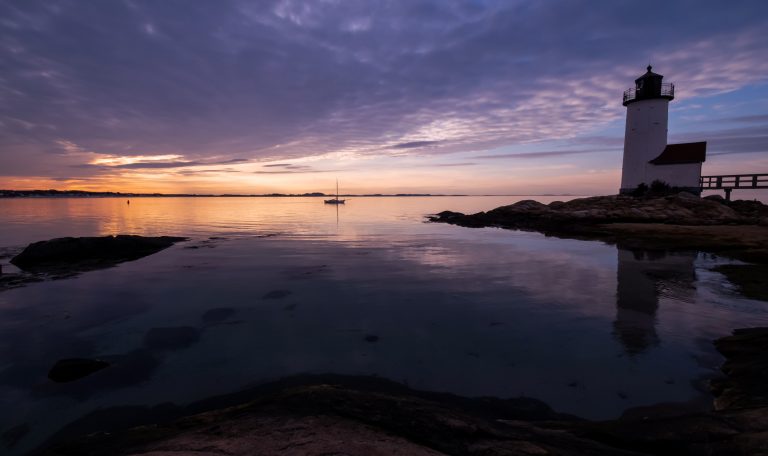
(295, 171)
(758, 118)
(543, 154)
(415, 144)
(451, 165)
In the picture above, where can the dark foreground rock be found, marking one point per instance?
(746, 369)
(369, 416)
(84, 253)
(349, 416)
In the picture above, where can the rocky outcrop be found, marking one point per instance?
(683, 221)
(681, 209)
(84, 253)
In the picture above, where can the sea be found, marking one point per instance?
(266, 288)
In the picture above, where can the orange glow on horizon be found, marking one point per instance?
(443, 181)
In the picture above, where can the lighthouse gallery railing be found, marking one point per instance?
(667, 90)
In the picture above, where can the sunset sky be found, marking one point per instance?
(477, 96)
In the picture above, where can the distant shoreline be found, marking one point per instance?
(86, 194)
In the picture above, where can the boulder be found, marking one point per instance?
(530, 205)
(217, 315)
(88, 252)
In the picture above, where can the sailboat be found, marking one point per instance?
(335, 200)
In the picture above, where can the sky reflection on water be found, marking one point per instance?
(285, 289)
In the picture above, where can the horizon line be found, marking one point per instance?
(8, 193)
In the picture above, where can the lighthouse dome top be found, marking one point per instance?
(649, 74)
(649, 87)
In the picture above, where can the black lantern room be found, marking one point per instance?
(649, 87)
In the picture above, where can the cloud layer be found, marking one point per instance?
(239, 83)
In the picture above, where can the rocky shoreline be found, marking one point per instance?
(663, 221)
(330, 414)
(679, 222)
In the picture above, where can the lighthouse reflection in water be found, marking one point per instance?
(643, 278)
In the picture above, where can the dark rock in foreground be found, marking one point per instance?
(89, 252)
(361, 416)
(746, 369)
(13, 435)
(68, 370)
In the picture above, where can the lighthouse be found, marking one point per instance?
(647, 156)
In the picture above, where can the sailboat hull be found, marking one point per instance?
(335, 200)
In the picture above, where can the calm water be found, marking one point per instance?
(292, 286)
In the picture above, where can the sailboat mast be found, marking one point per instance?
(337, 189)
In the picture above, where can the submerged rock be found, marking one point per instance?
(125, 370)
(68, 370)
(276, 294)
(89, 252)
(171, 338)
(217, 315)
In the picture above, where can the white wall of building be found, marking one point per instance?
(683, 175)
(645, 137)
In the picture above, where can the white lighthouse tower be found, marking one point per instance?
(647, 156)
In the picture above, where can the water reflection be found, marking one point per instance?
(371, 291)
(643, 276)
